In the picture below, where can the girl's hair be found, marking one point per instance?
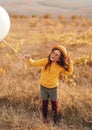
(61, 61)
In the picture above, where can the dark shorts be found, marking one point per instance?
(48, 93)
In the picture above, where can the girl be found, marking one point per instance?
(53, 66)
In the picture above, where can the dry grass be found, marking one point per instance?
(20, 104)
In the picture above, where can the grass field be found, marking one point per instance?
(20, 104)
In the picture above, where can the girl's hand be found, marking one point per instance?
(27, 57)
(67, 59)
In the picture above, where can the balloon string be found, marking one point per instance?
(15, 52)
(13, 49)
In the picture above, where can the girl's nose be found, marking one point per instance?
(53, 55)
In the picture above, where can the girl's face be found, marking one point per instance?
(55, 55)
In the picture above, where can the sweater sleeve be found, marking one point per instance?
(38, 63)
(70, 71)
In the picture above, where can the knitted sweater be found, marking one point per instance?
(50, 77)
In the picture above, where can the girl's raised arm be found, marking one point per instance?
(36, 63)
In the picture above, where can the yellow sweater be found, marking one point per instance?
(50, 77)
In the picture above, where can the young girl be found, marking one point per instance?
(56, 64)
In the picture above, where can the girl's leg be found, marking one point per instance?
(44, 108)
(54, 109)
(44, 97)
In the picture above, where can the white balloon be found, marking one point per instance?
(4, 23)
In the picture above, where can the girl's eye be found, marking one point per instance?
(56, 54)
(53, 52)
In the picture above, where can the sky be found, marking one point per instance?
(54, 7)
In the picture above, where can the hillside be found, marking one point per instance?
(55, 8)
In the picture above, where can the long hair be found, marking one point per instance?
(61, 61)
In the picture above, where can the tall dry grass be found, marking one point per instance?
(20, 104)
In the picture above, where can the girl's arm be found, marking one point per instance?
(70, 69)
(36, 63)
